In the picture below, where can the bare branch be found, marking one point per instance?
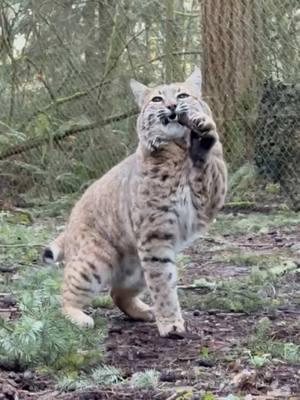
(176, 53)
(63, 100)
(61, 135)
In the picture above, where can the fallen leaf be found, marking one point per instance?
(245, 376)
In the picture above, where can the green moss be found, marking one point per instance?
(254, 223)
(245, 294)
(244, 258)
(21, 243)
(262, 343)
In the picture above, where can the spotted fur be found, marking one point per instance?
(127, 228)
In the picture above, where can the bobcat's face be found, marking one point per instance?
(163, 106)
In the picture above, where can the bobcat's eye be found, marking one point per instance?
(157, 99)
(182, 95)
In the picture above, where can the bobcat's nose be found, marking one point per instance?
(172, 108)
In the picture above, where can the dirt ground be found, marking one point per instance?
(223, 354)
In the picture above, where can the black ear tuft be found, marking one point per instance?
(48, 255)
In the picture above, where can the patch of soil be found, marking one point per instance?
(279, 242)
(19, 385)
(277, 239)
(28, 385)
(211, 271)
(208, 351)
(212, 357)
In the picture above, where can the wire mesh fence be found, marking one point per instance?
(67, 114)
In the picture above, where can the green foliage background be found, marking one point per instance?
(66, 111)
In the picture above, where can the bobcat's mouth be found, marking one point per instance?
(172, 118)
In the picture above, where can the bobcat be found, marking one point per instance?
(128, 226)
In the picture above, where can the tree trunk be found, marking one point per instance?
(173, 70)
(230, 43)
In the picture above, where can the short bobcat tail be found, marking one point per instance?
(55, 251)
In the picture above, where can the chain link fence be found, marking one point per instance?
(67, 114)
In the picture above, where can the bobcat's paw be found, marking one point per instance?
(171, 328)
(78, 317)
(200, 147)
(202, 124)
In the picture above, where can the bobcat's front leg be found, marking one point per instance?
(158, 263)
(203, 137)
(208, 175)
(203, 134)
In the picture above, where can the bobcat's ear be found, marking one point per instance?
(195, 81)
(139, 90)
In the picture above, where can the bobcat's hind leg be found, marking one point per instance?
(127, 301)
(82, 280)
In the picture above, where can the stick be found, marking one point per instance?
(58, 136)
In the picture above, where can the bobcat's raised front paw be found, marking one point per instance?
(200, 146)
(171, 328)
(202, 124)
(203, 137)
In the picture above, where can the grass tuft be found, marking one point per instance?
(147, 379)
